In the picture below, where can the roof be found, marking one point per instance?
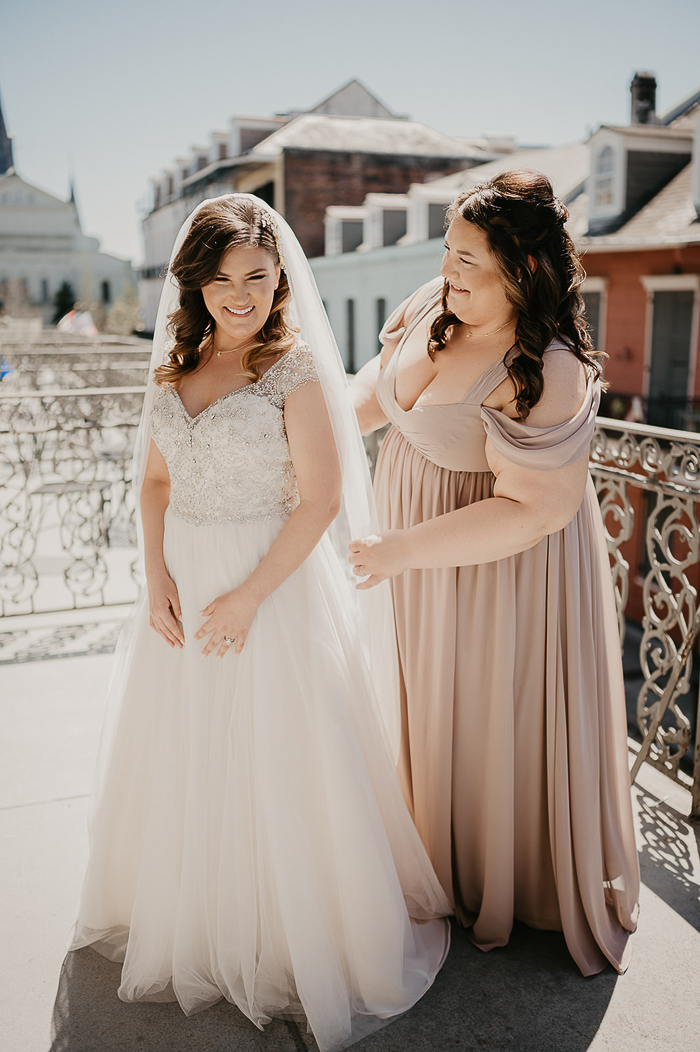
(684, 113)
(312, 131)
(353, 99)
(646, 131)
(668, 219)
(565, 166)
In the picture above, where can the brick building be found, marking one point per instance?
(639, 229)
(346, 147)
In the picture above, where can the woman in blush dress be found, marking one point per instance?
(513, 748)
(249, 837)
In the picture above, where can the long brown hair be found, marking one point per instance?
(524, 221)
(215, 229)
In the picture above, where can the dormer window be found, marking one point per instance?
(629, 166)
(345, 227)
(604, 172)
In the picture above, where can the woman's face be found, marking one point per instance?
(476, 294)
(240, 297)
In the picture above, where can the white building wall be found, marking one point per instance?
(42, 246)
(390, 274)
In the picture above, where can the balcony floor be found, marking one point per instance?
(528, 996)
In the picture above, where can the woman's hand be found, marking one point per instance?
(164, 606)
(377, 557)
(229, 617)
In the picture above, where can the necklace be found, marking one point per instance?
(468, 335)
(228, 350)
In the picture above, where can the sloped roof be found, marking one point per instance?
(354, 99)
(684, 114)
(312, 131)
(668, 219)
(565, 166)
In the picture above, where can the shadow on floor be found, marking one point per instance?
(667, 855)
(528, 997)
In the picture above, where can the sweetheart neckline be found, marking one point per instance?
(236, 390)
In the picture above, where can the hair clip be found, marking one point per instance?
(268, 221)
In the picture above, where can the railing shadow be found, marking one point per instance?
(520, 997)
(668, 857)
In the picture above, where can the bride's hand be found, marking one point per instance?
(229, 618)
(164, 607)
(377, 557)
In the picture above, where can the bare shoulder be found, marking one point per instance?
(565, 379)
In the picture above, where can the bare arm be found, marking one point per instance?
(164, 603)
(526, 505)
(363, 390)
(315, 461)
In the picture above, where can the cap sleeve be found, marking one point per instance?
(544, 448)
(288, 374)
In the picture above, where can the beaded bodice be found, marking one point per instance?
(231, 462)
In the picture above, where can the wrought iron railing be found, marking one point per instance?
(72, 362)
(653, 475)
(67, 534)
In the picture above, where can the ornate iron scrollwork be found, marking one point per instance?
(666, 465)
(65, 458)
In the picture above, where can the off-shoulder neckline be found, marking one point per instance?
(300, 346)
(584, 408)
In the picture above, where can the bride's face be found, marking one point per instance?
(476, 293)
(240, 297)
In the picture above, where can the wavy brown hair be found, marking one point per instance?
(234, 222)
(524, 221)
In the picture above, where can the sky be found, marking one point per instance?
(109, 94)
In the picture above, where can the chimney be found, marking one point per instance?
(643, 88)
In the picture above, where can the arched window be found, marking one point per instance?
(604, 171)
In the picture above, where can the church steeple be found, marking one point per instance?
(6, 161)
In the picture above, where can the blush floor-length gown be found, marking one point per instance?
(513, 755)
(249, 837)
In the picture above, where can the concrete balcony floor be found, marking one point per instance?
(528, 996)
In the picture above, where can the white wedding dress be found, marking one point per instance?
(249, 838)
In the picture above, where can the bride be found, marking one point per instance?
(248, 836)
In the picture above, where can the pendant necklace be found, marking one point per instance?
(468, 335)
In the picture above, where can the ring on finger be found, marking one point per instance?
(228, 640)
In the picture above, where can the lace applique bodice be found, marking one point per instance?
(231, 463)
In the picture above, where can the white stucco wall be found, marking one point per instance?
(42, 245)
(390, 273)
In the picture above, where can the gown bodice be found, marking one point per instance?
(231, 462)
(454, 436)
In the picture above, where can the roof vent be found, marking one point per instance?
(643, 88)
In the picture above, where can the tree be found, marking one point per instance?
(64, 301)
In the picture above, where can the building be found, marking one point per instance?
(348, 146)
(42, 246)
(634, 197)
(362, 283)
(638, 225)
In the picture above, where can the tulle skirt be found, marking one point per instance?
(249, 838)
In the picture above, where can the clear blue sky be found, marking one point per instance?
(113, 92)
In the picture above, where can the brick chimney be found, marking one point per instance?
(643, 89)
